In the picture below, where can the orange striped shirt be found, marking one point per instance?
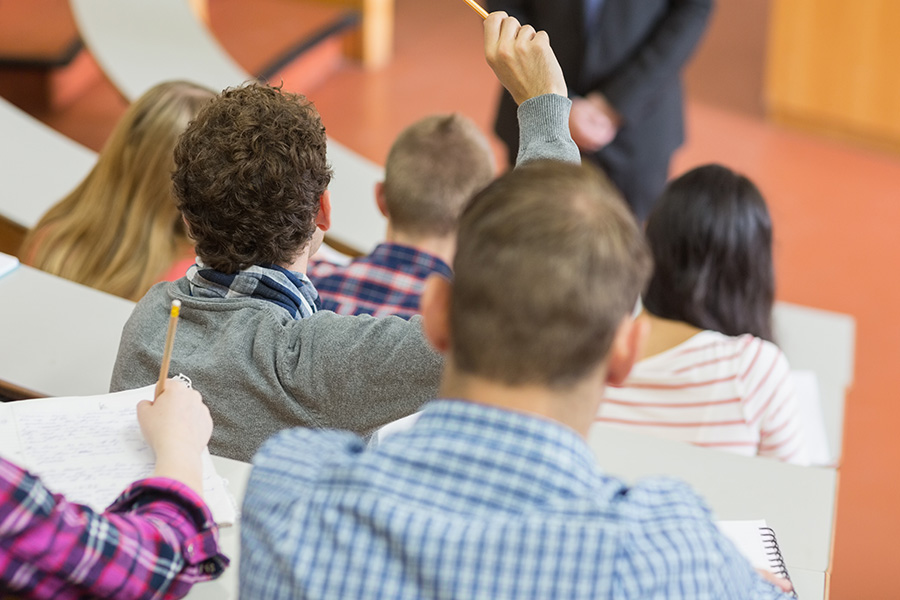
(717, 391)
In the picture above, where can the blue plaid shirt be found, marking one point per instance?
(389, 281)
(474, 502)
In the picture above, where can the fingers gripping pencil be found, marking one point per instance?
(483, 13)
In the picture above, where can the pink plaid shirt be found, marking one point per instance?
(155, 541)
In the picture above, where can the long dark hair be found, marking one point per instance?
(711, 238)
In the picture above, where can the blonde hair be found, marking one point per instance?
(433, 169)
(120, 230)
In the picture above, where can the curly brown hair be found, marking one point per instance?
(249, 173)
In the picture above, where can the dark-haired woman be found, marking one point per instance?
(709, 373)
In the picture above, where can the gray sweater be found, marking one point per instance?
(260, 371)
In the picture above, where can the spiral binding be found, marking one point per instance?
(773, 553)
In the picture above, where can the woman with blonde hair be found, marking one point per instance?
(119, 231)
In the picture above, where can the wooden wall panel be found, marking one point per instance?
(374, 43)
(834, 65)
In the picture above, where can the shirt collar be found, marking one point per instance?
(557, 455)
(290, 290)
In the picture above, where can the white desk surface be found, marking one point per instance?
(139, 44)
(797, 502)
(60, 338)
(820, 340)
(809, 585)
(38, 166)
(823, 342)
(355, 219)
(226, 586)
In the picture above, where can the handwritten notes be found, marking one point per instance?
(90, 448)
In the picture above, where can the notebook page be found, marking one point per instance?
(745, 535)
(90, 449)
(9, 437)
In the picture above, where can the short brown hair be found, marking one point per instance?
(249, 173)
(549, 260)
(433, 169)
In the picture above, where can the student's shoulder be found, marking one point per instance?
(672, 542)
(152, 308)
(759, 356)
(162, 294)
(661, 499)
(302, 454)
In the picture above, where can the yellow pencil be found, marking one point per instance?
(167, 353)
(477, 8)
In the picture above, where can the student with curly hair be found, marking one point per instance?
(251, 179)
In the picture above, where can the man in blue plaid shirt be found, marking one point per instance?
(434, 167)
(494, 493)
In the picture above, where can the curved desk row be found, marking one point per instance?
(38, 166)
(139, 44)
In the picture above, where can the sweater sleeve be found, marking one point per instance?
(362, 372)
(661, 57)
(544, 130)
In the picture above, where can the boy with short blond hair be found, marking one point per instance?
(434, 167)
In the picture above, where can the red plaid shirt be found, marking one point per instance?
(389, 281)
(155, 541)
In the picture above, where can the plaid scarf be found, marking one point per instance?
(289, 290)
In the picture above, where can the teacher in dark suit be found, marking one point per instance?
(622, 60)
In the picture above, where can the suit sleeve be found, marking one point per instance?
(661, 57)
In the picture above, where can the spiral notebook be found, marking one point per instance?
(757, 542)
(90, 448)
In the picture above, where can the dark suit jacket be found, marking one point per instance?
(633, 55)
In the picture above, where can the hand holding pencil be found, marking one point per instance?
(177, 425)
(522, 58)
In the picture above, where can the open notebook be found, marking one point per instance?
(756, 541)
(90, 448)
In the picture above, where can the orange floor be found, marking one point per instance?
(835, 208)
